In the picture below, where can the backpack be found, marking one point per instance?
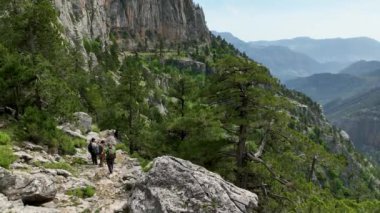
(95, 148)
(111, 153)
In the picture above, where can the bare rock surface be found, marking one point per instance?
(175, 185)
(33, 189)
(134, 23)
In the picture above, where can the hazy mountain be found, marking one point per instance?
(327, 50)
(359, 77)
(360, 117)
(283, 62)
(326, 87)
(362, 67)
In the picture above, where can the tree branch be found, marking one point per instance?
(274, 175)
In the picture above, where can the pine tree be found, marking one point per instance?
(132, 97)
(244, 92)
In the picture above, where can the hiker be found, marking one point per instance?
(110, 157)
(93, 148)
(102, 152)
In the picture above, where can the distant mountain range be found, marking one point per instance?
(357, 78)
(326, 87)
(362, 67)
(330, 50)
(302, 57)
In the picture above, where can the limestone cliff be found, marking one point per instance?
(134, 23)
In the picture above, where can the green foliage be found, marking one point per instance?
(165, 110)
(78, 161)
(85, 192)
(4, 138)
(95, 128)
(92, 46)
(6, 156)
(122, 146)
(60, 165)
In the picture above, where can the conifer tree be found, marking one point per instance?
(132, 97)
(244, 93)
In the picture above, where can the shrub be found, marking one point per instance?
(85, 192)
(4, 138)
(122, 146)
(38, 126)
(95, 128)
(6, 156)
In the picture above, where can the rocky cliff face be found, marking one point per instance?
(135, 24)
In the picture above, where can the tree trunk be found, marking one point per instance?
(312, 168)
(241, 150)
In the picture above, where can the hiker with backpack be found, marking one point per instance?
(93, 149)
(102, 152)
(110, 156)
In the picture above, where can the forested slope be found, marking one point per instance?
(233, 117)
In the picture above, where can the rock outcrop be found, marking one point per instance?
(33, 189)
(134, 23)
(175, 185)
(170, 185)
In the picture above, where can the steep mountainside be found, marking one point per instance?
(211, 106)
(283, 62)
(360, 117)
(135, 24)
(326, 87)
(327, 50)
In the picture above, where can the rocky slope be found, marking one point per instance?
(167, 184)
(359, 116)
(135, 24)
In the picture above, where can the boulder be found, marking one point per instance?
(83, 121)
(18, 206)
(31, 189)
(175, 185)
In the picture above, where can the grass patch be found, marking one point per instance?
(79, 161)
(148, 167)
(5, 139)
(60, 165)
(6, 156)
(145, 164)
(86, 192)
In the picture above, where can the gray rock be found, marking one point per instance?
(175, 185)
(33, 147)
(19, 166)
(17, 206)
(31, 189)
(55, 172)
(24, 156)
(135, 23)
(83, 122)
(6, 179)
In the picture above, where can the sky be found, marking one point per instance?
(252, 20)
